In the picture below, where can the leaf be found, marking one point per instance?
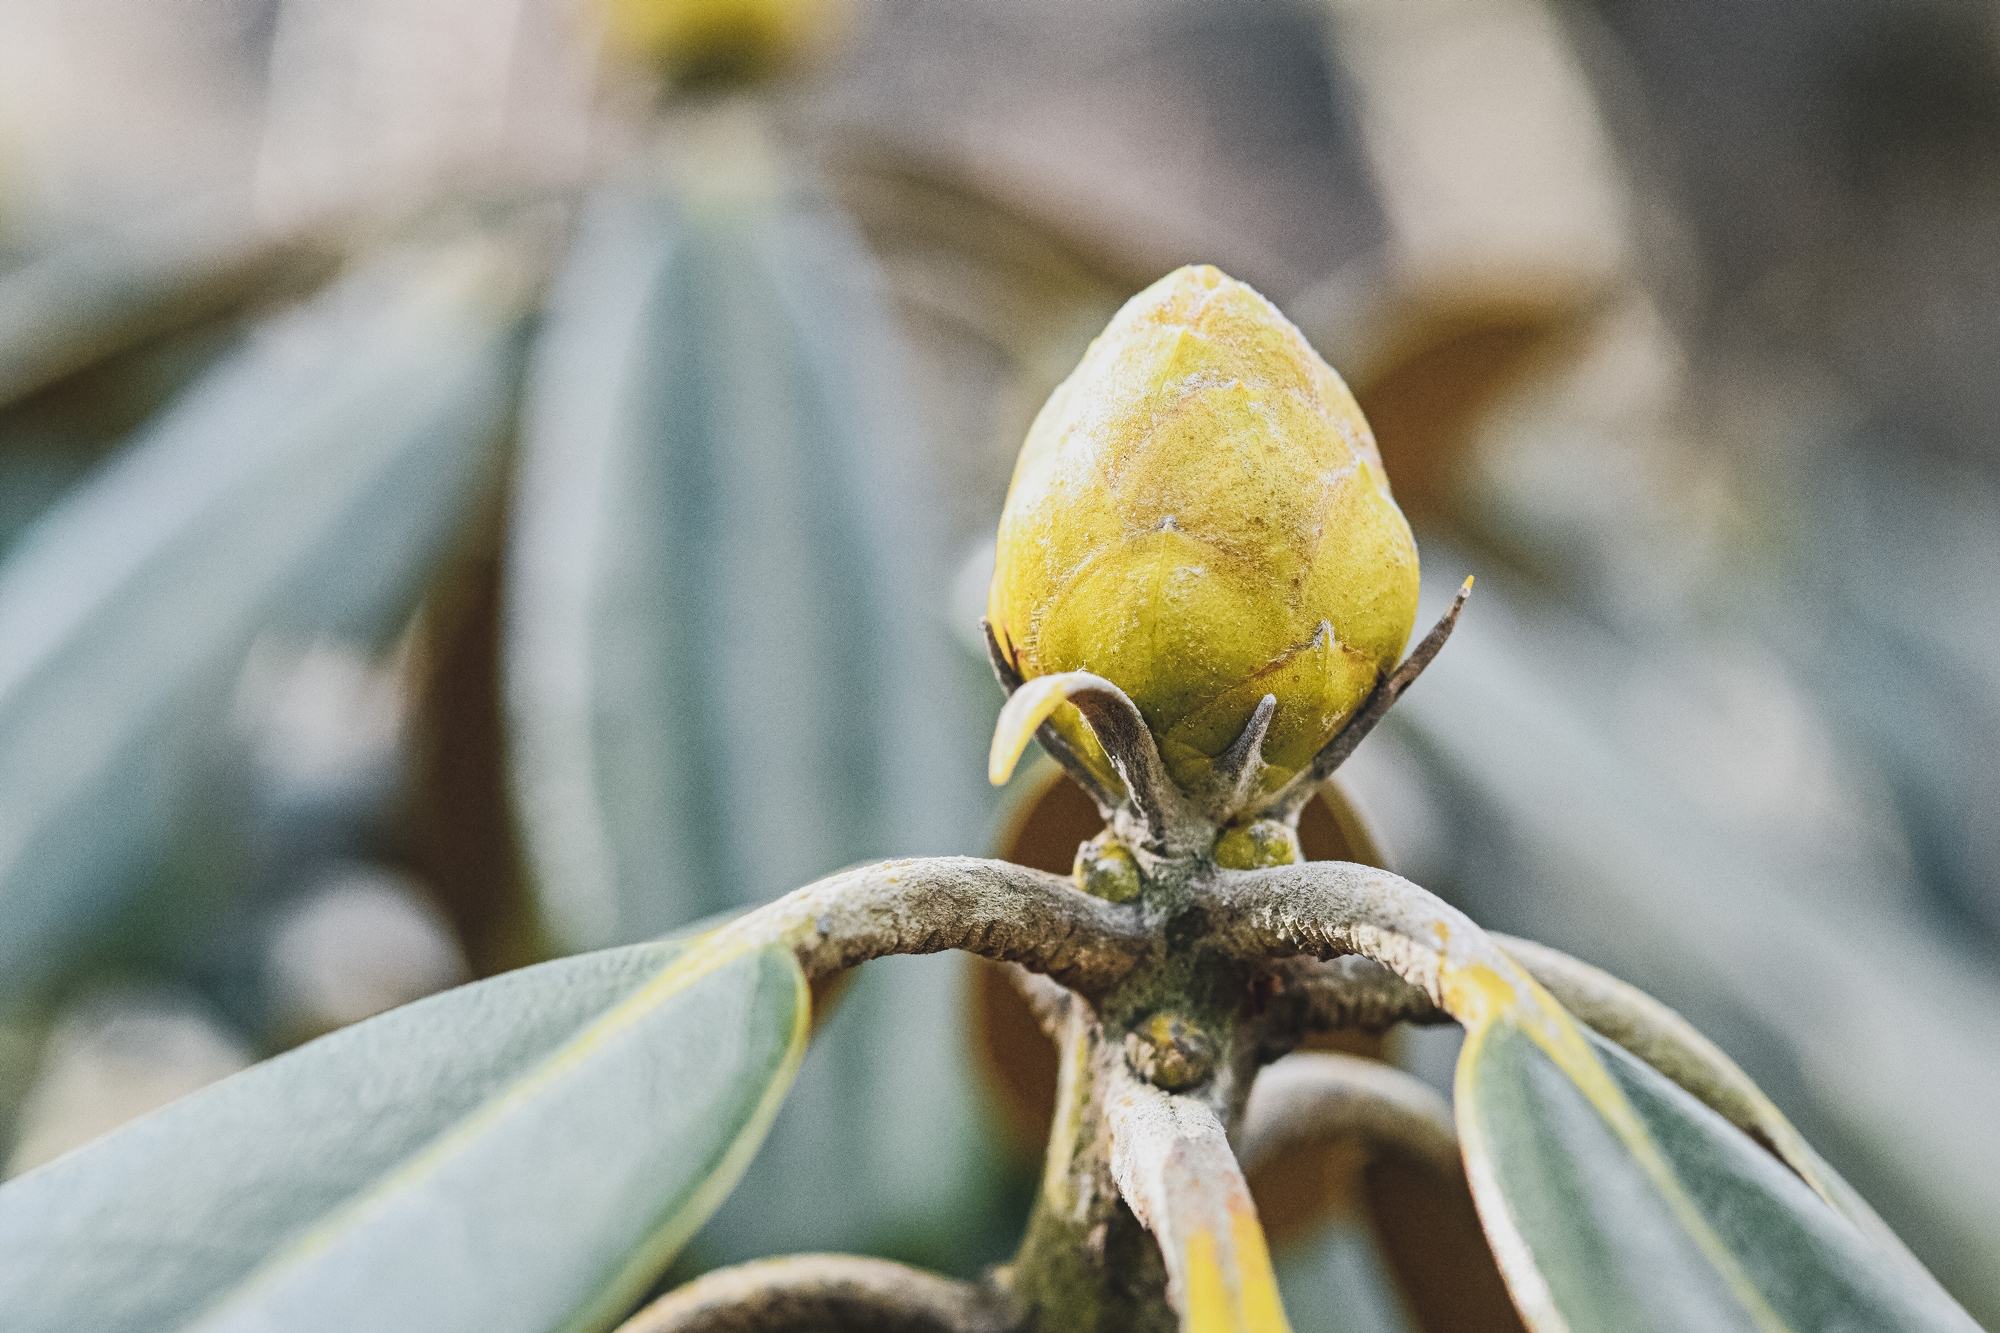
(305, 486)
(725, 673)
(66, 308)
(520, 1155)
(1625, 1204)
(1751, 939)
(719, 678)
(1173, 1165)
(1662, 1039)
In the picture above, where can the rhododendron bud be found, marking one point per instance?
(1200, 516)
(711, 43)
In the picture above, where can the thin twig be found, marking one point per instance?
(992, 908)
(1315, 1099)
(1291, 798)
(827, 1293)
(1350, 994)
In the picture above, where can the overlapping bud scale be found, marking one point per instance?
(1200, 515)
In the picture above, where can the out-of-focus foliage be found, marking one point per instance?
(1673, 322)
(722, 680)
(720, 524)
(303, 486)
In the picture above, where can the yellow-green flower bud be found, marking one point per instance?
(1200, 516)
(1106, 869)
(1259, 843)
(711, 43)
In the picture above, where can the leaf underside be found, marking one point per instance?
(524, 1154)
(1572, 1210)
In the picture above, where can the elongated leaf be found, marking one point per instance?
(520, 1155)
(63, 309)
(1686, 1225)
(724, 667)
(1662, 1039)
(726, 674)
(305, 486)
(1173, 1165)
(1895, 1063)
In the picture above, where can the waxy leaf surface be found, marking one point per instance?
(521, 1155)
(1711, 1234)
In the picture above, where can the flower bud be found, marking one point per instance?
(722, 43)
(1200, 516)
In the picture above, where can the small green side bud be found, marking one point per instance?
(1260, 843)
(1105, 869)
(1170, 1053)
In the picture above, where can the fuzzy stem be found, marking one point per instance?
(1330, 908)
(992, 908)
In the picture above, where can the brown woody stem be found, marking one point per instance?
(995, 909)
(827, 1293)
(1346, 994)
(1329, 908)
(1316, 1099)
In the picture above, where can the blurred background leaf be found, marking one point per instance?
(1674, 322)
(298, 489)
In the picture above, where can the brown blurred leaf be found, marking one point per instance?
(458, 833)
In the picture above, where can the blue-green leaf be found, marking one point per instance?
(521, 1155)
(1689, 1226)
(305, 486)
(727, 670)
(65, 308)
(1754, 941)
